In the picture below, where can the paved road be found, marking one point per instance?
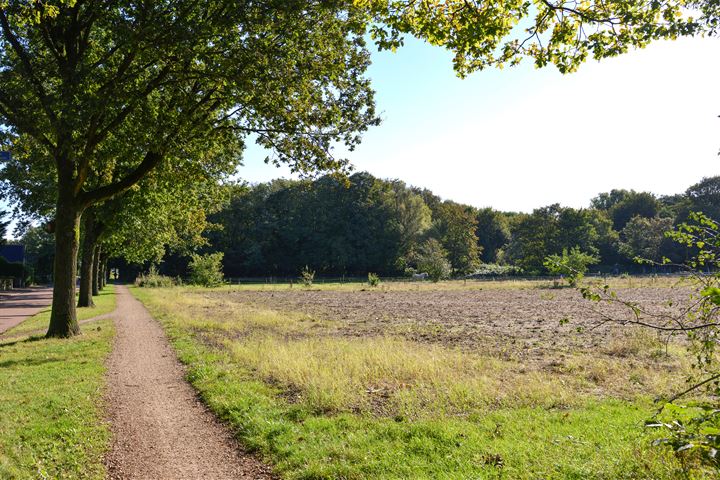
(17, 305)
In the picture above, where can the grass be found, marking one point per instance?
(319, 404)
(104, 303)
(51, 422)
(616, 282)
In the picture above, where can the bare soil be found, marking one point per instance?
(534, 321)
(160, 429)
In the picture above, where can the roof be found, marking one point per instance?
(13, 253)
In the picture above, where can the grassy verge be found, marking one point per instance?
(104, 303)
(50, 419)
(317, 404)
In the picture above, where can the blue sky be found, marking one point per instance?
(520, 138)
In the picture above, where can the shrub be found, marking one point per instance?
(495, 270)
(307, 276)
(153, 279)
(206, 270)
(574, 264)
(373, 279)
(431, 258)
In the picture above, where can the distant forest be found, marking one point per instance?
(364, 224)
(384, 226)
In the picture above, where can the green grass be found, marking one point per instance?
(104, 303)
(51, 392)
(301, 398)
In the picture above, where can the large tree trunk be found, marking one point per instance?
(87, 260)
(63, 319)
(96, 272)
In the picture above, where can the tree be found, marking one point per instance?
(454, 226)
(559, 32)
(493, 233)
(3, 227)
(39, 253)
(642, 237)
(572, 263)
(176, 82)
(704, 197)
(410, 216)
(206, 270)
(607, 200)
(643, 204)
(547, 231)
(431, 258)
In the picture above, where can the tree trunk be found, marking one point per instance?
(104, 271)
(96, 272)
(63, 319)
(87, 260)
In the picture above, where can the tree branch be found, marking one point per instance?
(25, 60)
(103, 193)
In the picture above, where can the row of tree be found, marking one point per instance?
(97, 96)
(364, 224)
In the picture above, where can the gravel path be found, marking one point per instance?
(160, 429)
(17, 305)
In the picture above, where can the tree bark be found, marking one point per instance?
(103, 271)
(96, 271)
(63, 319)
(87, 260)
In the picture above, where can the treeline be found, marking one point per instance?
(365, 224)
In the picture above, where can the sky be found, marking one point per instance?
(521, 138)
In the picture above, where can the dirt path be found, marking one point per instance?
(160, 429)
(17, 305)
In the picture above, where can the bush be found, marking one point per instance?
(495, 270)
(153, 279)
(431, 258)
(307, 276)
(206, 270)
(373, 279)
(574, 264)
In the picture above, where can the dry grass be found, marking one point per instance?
(323, 400)
(615, 282)
(317, 364)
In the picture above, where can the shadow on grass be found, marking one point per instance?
(31, 339)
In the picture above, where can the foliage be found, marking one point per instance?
(206, 270)
(559, 32)
(454, 226)
(3, 227)
(704, 197)
(307, 276)
(633, 204)
(495, 270)
(547, 231)
(96, 96)
(574, 264)
(12, 269)
(39, 253)
(644, 237)
(372, 225)
(689, 419)
(430, 257)
(373, 279)
(493, 233)
(153, 279)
